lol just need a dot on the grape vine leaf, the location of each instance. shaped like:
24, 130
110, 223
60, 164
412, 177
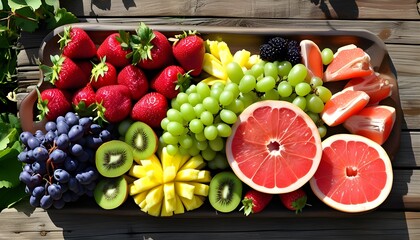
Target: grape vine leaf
61, 17
11, 196
10, 168
18, 4
54, 3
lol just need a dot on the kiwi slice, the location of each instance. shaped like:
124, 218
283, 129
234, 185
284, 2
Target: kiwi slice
113, 158
142, 139
110, 193
225, 192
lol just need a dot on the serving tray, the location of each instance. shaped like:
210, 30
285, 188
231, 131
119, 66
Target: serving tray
239, 38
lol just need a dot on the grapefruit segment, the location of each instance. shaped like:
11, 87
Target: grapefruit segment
377, 86
311, 58
373, 122
354, 175
349, 62
342, 105
274, 147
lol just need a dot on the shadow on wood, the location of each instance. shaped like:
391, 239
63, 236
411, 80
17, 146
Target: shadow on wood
338, 9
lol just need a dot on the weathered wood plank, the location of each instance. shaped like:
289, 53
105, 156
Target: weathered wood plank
303, 9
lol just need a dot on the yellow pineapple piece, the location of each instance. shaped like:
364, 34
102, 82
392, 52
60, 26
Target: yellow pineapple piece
169, 174
204, 176
213, 47
137, 171
195, 162
253, 59
212, 80
224, 53
213, 66
145, 183
167, 209
138, 198
200, 189
187, 175
184, 190
169, 190
179, 207
133, 190
191, 204
155, 210
154, 196
241, 57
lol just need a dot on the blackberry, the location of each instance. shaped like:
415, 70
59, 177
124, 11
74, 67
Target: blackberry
293, 52
268, 52
280, 44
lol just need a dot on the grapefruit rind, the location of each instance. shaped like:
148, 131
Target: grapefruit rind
311, 58
294, 162
325, 197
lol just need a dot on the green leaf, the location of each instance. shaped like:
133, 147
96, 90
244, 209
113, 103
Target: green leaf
10, 169
61, 17
28, 21
11, 196
18, 4
54, 3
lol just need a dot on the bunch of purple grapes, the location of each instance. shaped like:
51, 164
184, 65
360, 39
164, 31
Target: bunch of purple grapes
60, 162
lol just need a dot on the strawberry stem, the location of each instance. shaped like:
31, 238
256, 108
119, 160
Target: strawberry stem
140, 44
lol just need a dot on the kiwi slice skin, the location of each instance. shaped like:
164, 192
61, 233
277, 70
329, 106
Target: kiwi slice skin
114, 158
142, 138
225, 192
111, 193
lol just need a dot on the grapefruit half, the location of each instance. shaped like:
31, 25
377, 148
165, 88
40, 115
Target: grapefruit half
311, 58
373, 122
274, 147
349, 62
355, 174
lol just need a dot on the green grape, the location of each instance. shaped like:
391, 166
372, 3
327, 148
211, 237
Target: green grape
234, 88
220, 161
284, 68
218, 85
302, 89
215, 93
300, 102
194, 98
265, 84
247, 83
257, 70
175, 128
211, 104
202, 145
196, 126
248, 98
191, 89
237, 106
224, 129
284, 89
322, 131
208, 154
168, 138
181, 98
314, 116
226, 98
182, 150
297, 74
316, 81
175, 104
270, 69
212, 165
185, 141
323, 93
228, 116
187, 112
234, 72
217, 144
210, 132
217, 119
200, 136
164, 123
198, 109
206, 118
174, 115
171, 149
314, 103
193, 150
327, 56
273, 94
203, 89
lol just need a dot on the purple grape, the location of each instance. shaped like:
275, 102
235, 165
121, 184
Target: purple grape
34, 201
23, 157
64, 187
76, 132
91, 186
46, 202
40, 154
93, 142
84, 178
84, 157
60, 119
33, 142
67, 196
36, 180
85, 122
61, 175
50, 136
70, 164
76, 149
63, 141
95, 129
50, 126
28, 190
58, 156
54, 190
62, 127
71, 118
25, 177
73, 184
38, 191
27, 168
40, 135
24, 136
105, 135
39, 167
59, 204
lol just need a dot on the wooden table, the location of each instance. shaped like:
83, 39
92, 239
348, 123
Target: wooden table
397, 23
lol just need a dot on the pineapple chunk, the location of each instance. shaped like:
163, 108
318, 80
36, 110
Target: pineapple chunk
155, 210
184, 190
169, 190
154, 196
137, 171
204, 176
145, 183
195, 162
138, 198
253, 59
133, 190
213, 48
169, 200
212, 80
187, 175
224, 53
169, 174
167, 208
179, 207
213, 66
191, 204
200, 189
242, 57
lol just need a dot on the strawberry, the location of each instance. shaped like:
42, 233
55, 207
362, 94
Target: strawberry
150, 49
113, 103
170, 81
84, 100
86, 66
103, 74
255, 201
295, 200
64, 74
53, 102
134, 78
76, 43
150, 109
188, 49
115, 48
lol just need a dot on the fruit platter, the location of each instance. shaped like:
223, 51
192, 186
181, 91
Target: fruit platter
210, 120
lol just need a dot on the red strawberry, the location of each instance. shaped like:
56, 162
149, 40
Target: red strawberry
295, 200
103, 74
255, 201
84, 100
115, 48
151, 49
170, 81
64, 74
113, 103
76, 43
150, 109
188, 50
86, 66
53, 102
134, 78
